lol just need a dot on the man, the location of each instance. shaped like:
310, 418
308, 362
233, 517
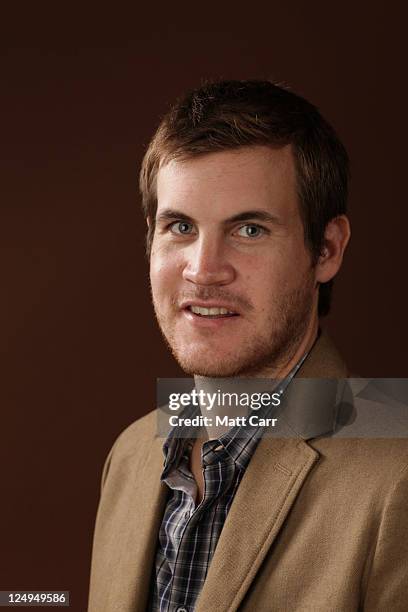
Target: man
244, 190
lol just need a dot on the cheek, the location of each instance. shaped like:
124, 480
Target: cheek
164, 271
266, 270
269, 279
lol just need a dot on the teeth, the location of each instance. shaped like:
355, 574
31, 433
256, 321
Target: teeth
209, 311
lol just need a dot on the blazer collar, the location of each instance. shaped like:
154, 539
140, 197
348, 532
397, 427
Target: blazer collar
323, 361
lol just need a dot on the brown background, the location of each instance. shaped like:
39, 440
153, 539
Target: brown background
81, 93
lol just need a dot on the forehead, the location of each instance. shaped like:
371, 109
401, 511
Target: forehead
225, 183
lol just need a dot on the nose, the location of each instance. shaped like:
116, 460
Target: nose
207, 263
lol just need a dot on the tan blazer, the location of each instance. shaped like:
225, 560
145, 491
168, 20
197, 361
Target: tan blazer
317, 525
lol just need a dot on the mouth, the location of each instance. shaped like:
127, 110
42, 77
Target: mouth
209, 311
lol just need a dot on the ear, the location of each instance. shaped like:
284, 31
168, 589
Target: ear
336, 237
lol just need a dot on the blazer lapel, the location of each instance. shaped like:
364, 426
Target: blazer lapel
136, 544
268, 490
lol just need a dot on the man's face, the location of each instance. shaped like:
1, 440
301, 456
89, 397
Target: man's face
232, 280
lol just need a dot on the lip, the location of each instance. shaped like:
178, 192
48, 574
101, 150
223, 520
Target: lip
208, 323
207, 304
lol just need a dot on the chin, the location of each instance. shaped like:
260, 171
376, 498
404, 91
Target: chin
209, 371
216, 368
226, 367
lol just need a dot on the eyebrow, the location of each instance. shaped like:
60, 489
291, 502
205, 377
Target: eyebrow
169, 214
259, 215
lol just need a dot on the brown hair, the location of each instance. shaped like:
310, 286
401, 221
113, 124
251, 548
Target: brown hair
231, 114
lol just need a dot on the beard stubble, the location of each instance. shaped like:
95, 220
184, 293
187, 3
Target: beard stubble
264, 354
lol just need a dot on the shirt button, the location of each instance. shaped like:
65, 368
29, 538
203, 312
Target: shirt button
181, 610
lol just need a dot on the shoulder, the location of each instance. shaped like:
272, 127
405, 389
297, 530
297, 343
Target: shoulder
132, 445
141, 431
381, 454
370, 468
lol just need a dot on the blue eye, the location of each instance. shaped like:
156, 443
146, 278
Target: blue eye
181, 228
251, 231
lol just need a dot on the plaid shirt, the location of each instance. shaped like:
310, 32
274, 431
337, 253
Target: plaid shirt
188, 534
